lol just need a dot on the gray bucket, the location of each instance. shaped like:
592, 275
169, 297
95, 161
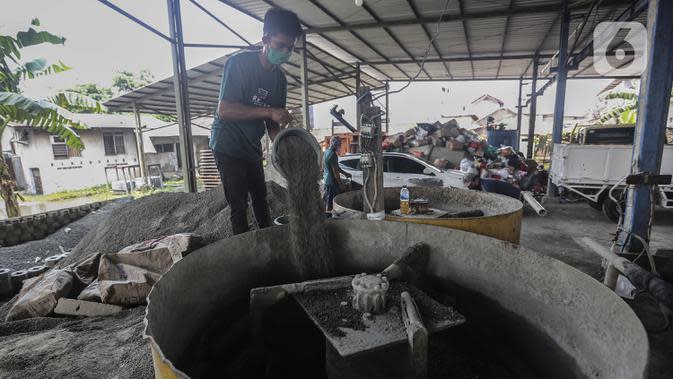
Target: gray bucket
297, 132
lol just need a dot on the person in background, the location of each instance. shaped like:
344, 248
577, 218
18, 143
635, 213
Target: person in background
252, 102
331, 173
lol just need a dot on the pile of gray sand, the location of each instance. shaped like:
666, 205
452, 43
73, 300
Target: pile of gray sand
26, 255
309, 237
98, 347
204, 213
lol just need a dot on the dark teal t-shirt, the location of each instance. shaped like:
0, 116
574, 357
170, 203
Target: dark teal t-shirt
246, 81
328, 158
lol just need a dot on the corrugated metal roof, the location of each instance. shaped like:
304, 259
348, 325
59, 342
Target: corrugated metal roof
391, 33
204, 85
495, 39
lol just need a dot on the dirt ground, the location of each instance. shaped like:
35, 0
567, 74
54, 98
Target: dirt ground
114, 347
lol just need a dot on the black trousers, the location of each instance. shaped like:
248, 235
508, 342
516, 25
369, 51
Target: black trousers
240, 178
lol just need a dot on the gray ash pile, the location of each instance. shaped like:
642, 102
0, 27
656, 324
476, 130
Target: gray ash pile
205, 213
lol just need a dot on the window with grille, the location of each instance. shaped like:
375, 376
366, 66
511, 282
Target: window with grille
114, 144
164, 147
61, 150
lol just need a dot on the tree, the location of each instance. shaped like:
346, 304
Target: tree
48, 114
625, 113
93, 91
126, 81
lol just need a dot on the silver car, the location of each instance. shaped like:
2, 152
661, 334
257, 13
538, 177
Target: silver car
401, 169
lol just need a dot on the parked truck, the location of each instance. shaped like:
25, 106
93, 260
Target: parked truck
590, 171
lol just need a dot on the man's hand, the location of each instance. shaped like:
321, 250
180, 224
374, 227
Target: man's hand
280, 116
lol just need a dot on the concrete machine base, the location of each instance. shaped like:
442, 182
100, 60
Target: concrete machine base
537, 316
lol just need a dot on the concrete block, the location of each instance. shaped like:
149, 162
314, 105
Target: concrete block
72, 307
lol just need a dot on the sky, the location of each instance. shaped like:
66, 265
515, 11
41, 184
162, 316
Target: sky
100, 41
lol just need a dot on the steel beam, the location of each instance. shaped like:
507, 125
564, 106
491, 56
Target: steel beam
633, 11
533, 110
394, 38
140, 145
417, 14
458, 59
209, 13
461, 9
650, 134
561, 76
502, 46
519, 111
358, 86
491, 13
135, 19
387, 103
306, 119
180, 84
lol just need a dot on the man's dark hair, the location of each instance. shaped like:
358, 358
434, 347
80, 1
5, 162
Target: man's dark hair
278, 20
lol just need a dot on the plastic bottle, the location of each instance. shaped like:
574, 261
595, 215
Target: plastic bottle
404, 200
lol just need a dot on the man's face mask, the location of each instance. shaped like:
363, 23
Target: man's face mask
277, 56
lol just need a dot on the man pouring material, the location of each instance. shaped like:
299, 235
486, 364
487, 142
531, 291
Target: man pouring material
252, 101
331, 173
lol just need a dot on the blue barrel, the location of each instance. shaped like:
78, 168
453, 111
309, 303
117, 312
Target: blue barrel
499, 138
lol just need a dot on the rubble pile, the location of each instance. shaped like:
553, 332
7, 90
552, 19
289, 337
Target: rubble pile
448, 146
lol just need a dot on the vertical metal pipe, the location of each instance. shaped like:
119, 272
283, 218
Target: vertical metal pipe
181, 95
358, 84
519, 110
306, 117
533, 110
561, 76
650, 134
140, 145
387, 114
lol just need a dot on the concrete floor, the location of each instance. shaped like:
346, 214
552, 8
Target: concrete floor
558, 235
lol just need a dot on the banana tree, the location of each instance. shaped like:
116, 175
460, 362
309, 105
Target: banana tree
50, 114
625, 113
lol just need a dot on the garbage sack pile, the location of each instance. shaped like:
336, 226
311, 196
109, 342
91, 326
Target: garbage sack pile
448, 146
123, 278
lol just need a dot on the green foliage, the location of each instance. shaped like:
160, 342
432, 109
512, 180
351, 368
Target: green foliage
126, 81
166, 117
99, 193
93, 91
76, 102
42, 114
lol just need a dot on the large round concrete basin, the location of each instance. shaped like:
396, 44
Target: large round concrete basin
501, 220
555, 319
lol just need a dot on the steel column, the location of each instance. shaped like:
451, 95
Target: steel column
562, 74
519, 111
181, 95
140, 146
387, 114
358, 85
648, 143
306, 117
533, 110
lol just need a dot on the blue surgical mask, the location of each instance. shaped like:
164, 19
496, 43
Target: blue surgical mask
277, 56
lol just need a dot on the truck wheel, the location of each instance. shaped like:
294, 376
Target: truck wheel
597, 205
610, 209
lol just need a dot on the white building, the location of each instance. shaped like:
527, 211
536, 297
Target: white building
162, 145
44, 164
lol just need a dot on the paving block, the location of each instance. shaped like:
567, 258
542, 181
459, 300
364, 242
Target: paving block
72, 307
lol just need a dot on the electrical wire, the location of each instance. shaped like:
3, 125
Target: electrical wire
427, 52
629, 234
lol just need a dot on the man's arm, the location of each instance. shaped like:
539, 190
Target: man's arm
234, 111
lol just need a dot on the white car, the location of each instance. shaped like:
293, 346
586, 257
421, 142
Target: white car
401, 169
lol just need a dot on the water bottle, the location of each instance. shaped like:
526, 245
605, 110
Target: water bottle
404, 200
